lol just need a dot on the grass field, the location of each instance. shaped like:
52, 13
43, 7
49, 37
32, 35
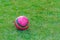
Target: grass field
44, 17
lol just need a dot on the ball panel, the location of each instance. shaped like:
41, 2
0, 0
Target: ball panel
20, 24
22, 20
19, 27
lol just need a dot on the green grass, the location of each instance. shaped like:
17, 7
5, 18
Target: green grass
44, 17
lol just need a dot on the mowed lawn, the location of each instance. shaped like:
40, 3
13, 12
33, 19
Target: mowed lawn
43, 15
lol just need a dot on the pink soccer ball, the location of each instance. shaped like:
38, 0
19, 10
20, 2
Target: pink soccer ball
22, 23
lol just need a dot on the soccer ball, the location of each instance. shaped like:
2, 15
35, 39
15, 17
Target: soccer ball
22, 23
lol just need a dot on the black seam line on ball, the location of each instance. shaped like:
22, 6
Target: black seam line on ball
19, 24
